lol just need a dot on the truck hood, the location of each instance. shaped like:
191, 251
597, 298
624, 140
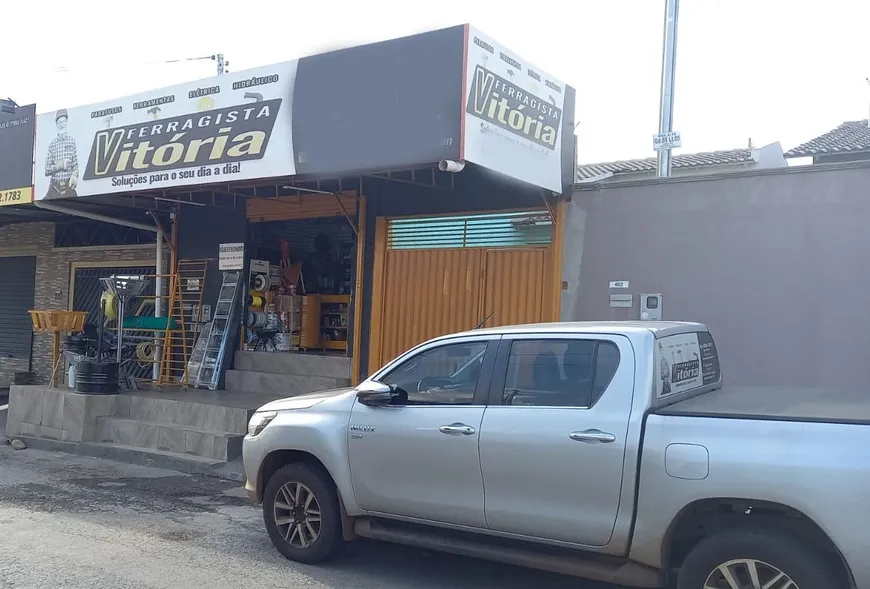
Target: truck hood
304, 401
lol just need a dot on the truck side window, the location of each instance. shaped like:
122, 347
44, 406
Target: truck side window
446, 375
559, 373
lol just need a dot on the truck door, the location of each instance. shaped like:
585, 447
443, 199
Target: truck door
419, 457
553, 438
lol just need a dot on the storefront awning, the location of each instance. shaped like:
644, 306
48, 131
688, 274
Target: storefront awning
452, 95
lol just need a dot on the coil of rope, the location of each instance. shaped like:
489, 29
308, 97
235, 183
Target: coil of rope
145, 352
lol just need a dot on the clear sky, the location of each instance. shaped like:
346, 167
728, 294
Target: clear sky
770, 70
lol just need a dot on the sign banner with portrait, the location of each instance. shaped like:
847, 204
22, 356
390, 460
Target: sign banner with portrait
222, 129
450, 94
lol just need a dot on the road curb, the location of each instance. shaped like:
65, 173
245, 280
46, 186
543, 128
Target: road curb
230, 471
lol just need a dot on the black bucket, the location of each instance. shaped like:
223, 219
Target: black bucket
97, 378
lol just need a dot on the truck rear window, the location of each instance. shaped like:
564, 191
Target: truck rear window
684, 362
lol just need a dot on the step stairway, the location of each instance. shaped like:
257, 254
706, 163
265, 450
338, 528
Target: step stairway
287, 374
207, 431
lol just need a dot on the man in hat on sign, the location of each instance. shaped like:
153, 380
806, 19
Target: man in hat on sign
62, 162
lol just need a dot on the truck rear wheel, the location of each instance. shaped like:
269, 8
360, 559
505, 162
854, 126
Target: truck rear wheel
755, 559
302, 514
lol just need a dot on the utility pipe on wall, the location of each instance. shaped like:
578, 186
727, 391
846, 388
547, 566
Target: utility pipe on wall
669, 66
50, 206
158, 306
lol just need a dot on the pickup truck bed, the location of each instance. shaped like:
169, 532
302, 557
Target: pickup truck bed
779, 404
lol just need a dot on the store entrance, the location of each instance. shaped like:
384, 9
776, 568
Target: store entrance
300, 284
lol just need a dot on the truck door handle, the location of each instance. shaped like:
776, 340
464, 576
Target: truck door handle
457, 428
592, 436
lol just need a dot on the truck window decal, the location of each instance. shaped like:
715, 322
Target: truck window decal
684, 362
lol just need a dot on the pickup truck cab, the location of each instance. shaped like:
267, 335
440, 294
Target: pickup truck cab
609, 451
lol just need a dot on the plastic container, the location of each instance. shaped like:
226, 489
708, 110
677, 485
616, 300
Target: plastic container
97, 378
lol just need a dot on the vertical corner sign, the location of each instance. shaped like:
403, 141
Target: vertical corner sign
513, 114
232, 127
16, 155
231, 256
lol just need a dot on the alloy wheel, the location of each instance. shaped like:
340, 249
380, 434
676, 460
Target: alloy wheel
747, 573
297, 515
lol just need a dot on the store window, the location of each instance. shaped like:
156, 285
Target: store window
301, 281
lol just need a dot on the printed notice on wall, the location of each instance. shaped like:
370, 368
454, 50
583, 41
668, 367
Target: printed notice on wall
231, 256
685, 362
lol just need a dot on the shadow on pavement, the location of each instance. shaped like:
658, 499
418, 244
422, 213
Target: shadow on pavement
389, 565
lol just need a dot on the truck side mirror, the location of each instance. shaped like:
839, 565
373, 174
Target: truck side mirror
374, 393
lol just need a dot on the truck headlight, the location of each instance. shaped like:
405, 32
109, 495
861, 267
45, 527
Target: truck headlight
259, 421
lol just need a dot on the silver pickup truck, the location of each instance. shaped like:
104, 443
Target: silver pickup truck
609, 451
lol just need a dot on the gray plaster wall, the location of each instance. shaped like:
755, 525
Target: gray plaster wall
776, 263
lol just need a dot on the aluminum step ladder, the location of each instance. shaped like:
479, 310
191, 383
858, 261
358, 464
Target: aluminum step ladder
209, 354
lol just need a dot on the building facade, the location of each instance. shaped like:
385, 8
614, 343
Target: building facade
772, 261
43, 275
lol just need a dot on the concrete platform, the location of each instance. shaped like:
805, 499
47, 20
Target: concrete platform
287, 374
326, 365
206, 425
203, 429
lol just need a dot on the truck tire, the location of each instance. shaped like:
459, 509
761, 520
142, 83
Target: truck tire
302, 514
770, 553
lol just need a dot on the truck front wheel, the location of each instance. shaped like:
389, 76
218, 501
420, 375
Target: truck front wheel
755, 559
302, 514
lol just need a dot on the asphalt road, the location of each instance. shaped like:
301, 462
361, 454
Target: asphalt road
81, 523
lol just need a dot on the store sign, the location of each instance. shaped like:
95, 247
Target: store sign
449, 94
233, 127
16, 155
685, 362
260, 266
513, 114
665, 141
231, 256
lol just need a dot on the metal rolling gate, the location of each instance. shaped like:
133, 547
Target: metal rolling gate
452, 273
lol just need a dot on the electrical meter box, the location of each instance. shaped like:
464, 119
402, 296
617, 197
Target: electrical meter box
651, 307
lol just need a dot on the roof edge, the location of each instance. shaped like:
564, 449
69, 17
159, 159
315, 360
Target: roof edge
724, 175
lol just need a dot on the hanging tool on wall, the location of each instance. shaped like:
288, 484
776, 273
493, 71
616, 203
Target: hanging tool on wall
291, 274
109, 303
